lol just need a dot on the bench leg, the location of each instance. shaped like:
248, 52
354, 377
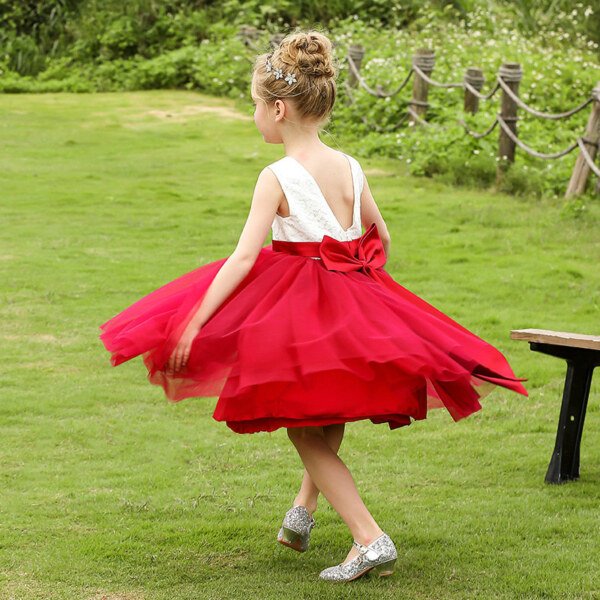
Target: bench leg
564, 464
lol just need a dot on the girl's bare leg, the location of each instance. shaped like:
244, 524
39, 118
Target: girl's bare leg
332, 477
309, 492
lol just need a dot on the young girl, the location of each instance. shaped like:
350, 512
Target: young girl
309, 332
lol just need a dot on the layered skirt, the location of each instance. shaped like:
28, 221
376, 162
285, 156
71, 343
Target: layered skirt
316, 333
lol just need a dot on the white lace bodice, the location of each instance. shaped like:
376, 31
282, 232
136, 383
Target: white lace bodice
310, 215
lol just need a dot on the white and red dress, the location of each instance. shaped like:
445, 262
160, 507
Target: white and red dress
316, 333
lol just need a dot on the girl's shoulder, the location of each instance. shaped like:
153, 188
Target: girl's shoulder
287, 160
288, 168
279, 163
285, 169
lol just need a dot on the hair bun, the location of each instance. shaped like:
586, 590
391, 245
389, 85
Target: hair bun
310, 52
309, 85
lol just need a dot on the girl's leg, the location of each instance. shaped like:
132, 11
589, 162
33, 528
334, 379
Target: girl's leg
309, 492
334, 480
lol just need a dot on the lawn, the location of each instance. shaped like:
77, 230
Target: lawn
110, 492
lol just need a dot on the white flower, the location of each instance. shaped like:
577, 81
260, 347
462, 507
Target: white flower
278, 73
290, 78
268, 66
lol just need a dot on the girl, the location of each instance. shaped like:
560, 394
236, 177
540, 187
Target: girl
309, 332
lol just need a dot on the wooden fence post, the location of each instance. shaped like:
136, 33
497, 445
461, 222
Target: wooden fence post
356, 53
475, 78
592, 133
424, 58
511, 74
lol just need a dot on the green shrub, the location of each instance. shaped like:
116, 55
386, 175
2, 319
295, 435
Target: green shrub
93, 45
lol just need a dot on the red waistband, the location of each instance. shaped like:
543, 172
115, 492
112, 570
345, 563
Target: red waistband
364, 252
298, 248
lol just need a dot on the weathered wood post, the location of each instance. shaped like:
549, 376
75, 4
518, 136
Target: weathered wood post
424, 58
356, 52
511, 74
592, 134
474, 77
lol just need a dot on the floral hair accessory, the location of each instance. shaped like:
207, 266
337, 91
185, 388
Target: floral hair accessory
289, 77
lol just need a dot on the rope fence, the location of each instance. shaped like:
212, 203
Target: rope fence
506, 83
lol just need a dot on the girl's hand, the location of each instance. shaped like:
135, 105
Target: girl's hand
181, 353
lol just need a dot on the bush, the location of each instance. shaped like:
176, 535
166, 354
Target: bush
143, 44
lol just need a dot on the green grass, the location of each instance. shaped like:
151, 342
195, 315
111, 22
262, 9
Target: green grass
109, 491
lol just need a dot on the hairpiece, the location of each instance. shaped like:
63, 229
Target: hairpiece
289, 77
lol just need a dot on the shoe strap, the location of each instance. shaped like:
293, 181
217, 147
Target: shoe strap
366, 551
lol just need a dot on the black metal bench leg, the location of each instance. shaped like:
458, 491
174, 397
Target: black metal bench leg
564, 464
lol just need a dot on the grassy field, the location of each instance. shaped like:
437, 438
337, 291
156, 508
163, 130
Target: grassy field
110, 492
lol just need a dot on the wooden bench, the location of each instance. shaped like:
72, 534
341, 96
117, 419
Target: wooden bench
582, 353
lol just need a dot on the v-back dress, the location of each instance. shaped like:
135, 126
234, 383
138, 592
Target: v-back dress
316, 333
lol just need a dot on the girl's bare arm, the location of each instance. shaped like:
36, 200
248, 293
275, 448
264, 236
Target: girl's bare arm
369, 213
265, 201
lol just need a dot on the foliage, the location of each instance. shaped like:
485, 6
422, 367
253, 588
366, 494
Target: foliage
558, 17
33, 31
559, 72
93, 45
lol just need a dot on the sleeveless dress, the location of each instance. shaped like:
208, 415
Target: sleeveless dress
316, 333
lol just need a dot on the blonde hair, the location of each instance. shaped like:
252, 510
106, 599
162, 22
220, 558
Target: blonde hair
307, 54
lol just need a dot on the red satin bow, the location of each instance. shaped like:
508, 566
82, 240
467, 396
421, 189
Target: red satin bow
364, 252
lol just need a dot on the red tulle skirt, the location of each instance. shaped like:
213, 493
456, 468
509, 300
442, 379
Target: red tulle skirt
304, 341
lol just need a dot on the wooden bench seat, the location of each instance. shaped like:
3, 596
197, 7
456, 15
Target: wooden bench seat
582, 353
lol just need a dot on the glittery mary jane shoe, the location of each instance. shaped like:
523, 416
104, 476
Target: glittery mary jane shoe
296, 528
379, 557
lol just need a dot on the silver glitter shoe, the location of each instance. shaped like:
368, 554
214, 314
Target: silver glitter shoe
296, 528
379, 556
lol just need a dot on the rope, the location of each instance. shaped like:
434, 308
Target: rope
417, 118
530, 150
436, 83
501, 83
538, 113
374, 126
587, 157
479, 95
379, 93
474, 133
